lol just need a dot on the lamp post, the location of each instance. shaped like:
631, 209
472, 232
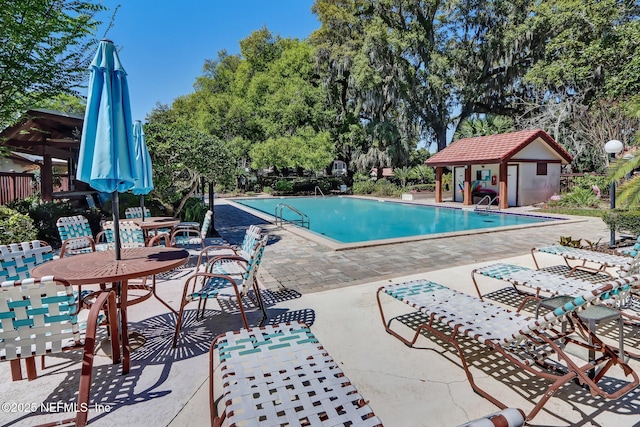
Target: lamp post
613, 147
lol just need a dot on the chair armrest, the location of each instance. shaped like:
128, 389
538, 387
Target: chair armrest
184, 233
155, 241
72, 240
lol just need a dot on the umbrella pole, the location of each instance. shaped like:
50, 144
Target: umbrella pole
142, 205
115, 205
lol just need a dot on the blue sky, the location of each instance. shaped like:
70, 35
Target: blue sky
163, 43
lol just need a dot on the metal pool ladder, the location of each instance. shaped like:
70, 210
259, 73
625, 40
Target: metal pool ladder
302, 222
315, 190
480, 206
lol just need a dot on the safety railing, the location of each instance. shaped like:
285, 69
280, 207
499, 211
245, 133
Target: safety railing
303, 221
481, 206
318, 189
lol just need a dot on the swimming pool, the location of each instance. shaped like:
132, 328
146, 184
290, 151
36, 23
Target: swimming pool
350, 220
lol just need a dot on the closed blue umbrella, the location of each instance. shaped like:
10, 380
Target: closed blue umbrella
144, 183
107, 156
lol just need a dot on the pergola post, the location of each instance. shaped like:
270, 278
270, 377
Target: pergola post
439, 184
46, 178
467, 186
504, 202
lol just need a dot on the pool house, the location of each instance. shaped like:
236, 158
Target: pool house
510, 169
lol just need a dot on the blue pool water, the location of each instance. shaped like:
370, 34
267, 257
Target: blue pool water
349, 220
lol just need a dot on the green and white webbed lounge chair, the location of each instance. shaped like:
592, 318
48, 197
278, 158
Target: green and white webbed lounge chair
598, 262
539, 284
535, 345
280, 375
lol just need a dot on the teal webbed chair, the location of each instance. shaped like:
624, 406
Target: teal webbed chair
189, 236
216, 282
76, 236
251, 237
17, 259
39, 317
280, 375
136, 212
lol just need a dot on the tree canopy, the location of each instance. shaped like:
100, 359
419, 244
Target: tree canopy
45, 48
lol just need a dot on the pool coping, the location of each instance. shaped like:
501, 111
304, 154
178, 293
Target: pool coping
337, 246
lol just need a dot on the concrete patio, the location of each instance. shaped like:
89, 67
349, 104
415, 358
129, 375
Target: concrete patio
333, 292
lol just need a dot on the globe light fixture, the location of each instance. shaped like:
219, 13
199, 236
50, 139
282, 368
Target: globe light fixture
613, 147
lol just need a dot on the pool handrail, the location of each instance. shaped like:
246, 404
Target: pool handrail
315, 190
302, 222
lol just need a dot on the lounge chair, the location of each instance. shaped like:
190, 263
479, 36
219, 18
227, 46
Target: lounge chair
510, 417
533, 344
281, 375
542, 283
602, 260
217, 282
39, 317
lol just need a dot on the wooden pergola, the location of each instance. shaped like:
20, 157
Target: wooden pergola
48, 134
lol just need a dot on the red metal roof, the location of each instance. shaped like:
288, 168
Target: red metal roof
493, 149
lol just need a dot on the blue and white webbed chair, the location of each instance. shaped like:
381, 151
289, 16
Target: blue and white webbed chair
136, 212
39, 317
251, 237
76, 236
216, 282
188, 236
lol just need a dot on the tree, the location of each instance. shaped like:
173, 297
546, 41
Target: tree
182, 155
421, 62
484, 125
65, 103
403, 174
628, 193
268, 104
45, 49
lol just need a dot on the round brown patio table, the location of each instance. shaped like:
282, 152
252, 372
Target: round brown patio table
102, 267
156, 222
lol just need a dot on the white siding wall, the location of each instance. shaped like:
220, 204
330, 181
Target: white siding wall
538, 188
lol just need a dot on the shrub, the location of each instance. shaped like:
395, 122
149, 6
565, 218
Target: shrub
422, 187
363, 187
284, 185
45, 214
579, 197
587, 182
385, 188
193, 210
623, 221
267, 190
16, 227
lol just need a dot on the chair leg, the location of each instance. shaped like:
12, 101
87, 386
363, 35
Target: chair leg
87, 359
178, 324
30, 363
16, 370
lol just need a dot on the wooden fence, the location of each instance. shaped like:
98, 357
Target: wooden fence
19, 185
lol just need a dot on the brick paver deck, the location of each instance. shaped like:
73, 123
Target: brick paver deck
305, 266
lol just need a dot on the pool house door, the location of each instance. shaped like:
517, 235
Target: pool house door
458, 184
512, 185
